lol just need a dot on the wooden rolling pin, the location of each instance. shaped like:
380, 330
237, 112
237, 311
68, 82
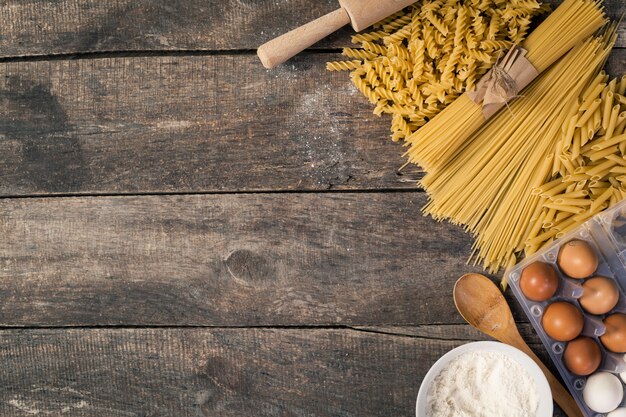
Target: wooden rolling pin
361, 14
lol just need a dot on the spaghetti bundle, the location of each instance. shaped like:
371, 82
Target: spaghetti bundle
420, 60
449, 132
487, 187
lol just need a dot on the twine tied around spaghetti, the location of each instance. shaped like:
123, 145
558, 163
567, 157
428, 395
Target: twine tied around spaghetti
504, 81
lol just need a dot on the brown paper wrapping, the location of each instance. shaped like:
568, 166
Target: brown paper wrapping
504, 81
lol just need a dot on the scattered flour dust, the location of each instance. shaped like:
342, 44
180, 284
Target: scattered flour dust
483, 384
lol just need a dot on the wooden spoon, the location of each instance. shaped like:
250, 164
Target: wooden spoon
483, 306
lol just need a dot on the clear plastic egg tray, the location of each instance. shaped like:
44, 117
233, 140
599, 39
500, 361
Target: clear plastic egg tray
606, 233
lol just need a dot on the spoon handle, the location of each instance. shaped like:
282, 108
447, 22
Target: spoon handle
559, 393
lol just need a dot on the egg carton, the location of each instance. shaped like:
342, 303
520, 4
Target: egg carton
606, 233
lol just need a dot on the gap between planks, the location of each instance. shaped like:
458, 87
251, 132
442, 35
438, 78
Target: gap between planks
411, 332
159, 54
396, 332
212, 193
149, 54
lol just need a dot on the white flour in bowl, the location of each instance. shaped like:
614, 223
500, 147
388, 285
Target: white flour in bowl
483, 384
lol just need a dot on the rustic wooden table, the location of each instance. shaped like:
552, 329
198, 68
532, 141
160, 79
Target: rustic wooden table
184, 233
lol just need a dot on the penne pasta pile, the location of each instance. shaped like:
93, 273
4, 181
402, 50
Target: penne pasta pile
589, 167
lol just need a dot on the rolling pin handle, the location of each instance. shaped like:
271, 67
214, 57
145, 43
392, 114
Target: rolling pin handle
279, 50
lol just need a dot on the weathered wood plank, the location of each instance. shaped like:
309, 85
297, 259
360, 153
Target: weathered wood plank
163, 124
192, 124
75, 26
214, 372
241, 260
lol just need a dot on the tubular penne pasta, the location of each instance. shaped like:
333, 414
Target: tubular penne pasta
602, 198
573, 194
564, 207
595, 123
619, 169
569, 134
612, 121
548, 221
602, 153
547, 186
588, 114
573, 178
590, 213
577, 143
608, 142
598, 184
591, 98
618, 159
606, 110
566, 227
542, 237
538, 224
572, 201
614, 182
567, 163
555, 190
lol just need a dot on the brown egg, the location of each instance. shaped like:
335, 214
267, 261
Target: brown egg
539, 281
562, 321
600, 295
582, 356
577, 259
615, 337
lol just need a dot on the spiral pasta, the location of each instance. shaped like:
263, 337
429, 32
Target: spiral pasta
343, 65
417, 61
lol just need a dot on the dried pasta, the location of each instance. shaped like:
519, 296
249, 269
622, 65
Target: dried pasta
438, 141
601, 163
523, 178
501, 187
418, 61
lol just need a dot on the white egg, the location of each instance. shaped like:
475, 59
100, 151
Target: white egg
623, 376
620, 412
603, 392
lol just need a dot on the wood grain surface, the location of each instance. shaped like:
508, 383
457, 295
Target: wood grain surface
288, 270
237, 260
79, 26
217, 372
188, 124
192, 124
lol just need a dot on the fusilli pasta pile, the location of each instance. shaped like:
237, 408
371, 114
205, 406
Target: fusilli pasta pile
416, 62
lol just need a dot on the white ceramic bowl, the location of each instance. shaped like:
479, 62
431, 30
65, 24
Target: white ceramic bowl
544, 408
